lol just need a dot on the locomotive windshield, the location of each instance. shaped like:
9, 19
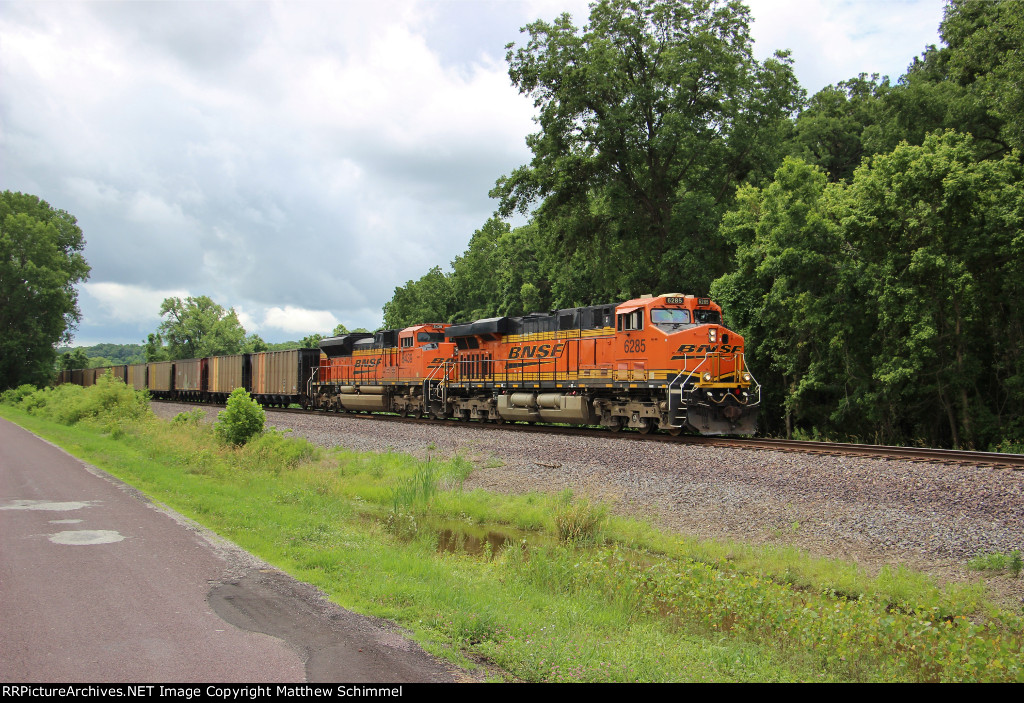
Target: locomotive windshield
670, 319
707, 317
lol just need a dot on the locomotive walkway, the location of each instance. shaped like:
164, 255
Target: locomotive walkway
97, 584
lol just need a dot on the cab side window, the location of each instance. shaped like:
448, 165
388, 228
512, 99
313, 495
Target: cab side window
631, 321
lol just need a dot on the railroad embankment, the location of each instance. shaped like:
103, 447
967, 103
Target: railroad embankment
553, 585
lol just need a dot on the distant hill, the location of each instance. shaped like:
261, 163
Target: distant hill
110, 354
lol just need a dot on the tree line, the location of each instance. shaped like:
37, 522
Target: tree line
198, 327
194, 327
41, 261
867, 240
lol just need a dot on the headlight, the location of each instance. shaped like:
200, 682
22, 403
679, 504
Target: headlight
712, 335
707, 377
746, 378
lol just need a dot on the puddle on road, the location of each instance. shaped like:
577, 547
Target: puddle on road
46, 505
86, 537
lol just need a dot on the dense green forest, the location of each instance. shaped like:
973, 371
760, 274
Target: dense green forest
867, 241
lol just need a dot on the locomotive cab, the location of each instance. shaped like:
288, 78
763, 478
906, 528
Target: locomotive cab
680, 341
423, 351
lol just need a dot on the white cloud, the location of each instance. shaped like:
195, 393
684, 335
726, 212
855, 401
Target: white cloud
247, 321
295, 156
834, 40
148, 209
299, 321
130, 304
92, 193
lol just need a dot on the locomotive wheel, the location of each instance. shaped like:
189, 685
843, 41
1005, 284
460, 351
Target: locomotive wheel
675, 431
648, 426
616, 425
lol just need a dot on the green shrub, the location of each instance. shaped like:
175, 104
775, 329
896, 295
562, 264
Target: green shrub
191, 418
108, 404
242, 420
16, 395
997, 561
1009, 445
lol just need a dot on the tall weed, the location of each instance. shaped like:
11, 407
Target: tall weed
273, 450
579, 521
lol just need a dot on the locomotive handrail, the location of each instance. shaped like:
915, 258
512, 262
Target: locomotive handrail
433, 371
679, 379
674, 407
441, 383
479, 367
314, 375
696, 369
490, 364
752, 377
523, 365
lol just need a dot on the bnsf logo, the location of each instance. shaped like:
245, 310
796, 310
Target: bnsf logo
687, 349
536, 351
367, 362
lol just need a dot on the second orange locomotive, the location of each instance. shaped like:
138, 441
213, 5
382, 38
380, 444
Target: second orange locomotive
658, 362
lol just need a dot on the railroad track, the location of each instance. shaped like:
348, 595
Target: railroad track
1013, 462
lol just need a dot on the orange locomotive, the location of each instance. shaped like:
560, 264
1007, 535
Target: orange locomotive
657, 362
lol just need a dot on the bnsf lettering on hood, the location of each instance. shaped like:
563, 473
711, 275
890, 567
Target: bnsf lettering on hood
689, 349
536, 351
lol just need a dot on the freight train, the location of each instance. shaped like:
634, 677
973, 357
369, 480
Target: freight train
661, 362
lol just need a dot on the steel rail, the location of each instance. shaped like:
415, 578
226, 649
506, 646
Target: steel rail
917, 454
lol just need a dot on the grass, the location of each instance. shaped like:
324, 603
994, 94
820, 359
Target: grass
580, 595
998, 562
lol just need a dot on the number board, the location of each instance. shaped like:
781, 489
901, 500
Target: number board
703, 301
675, 301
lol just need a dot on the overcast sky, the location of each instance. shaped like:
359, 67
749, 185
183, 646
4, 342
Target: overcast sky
298, 160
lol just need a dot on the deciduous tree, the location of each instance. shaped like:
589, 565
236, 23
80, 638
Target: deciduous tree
429, 299
198, 327
40, 263
657, 109
888, 309
830, 130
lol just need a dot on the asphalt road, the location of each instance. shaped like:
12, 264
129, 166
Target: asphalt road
98, 584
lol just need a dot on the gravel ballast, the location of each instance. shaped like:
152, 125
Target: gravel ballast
932, 517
